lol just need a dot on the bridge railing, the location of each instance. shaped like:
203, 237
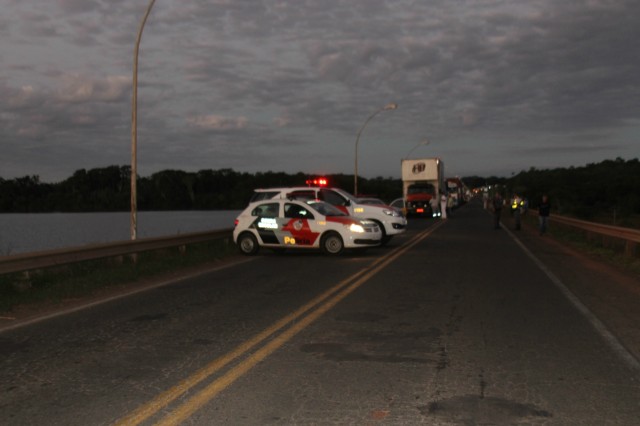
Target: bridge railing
608, 235
59, 257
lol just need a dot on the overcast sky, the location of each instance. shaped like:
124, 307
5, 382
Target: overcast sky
496, 86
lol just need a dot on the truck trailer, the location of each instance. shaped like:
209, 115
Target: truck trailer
457, 191
422, 181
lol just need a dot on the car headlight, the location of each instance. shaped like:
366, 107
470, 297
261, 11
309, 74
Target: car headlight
355, 227
391, 213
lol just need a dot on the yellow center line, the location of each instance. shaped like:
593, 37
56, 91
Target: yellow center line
165, 398
187, 409
193, 404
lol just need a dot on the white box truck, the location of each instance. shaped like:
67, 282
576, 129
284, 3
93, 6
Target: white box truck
422, 180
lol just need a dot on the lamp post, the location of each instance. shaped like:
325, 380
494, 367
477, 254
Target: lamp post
424, 142
387, 107
134, 128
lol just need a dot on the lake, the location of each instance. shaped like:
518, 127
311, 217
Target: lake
24, 233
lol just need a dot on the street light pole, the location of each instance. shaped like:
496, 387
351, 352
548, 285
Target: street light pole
387, 107
134, 128
424, 142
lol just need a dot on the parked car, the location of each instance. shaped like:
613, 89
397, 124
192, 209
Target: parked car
390, 221
379, 202
398, 204
370, 200
283, 223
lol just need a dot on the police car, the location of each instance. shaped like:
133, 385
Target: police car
284, 223
390, 220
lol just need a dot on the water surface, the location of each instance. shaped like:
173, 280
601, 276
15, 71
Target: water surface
22, 233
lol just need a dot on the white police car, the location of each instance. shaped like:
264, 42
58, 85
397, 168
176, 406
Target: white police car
283, 223
390, 220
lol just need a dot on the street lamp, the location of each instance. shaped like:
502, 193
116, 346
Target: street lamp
134, 128
389, 106
424, 142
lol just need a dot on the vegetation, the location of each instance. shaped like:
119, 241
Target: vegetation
608, 191
108, 189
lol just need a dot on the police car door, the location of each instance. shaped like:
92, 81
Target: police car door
299, 226
266, 223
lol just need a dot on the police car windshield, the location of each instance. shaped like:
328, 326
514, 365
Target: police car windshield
346, 195
325, 209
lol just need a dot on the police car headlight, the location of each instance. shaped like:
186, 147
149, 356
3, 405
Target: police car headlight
355, 227
393, 213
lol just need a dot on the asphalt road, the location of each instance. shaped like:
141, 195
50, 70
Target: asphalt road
454, 323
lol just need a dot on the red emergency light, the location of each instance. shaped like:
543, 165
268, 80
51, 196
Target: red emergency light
317, 182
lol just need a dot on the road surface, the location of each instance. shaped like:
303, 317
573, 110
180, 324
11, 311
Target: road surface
454, 323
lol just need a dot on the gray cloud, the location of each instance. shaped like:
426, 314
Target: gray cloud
497, 86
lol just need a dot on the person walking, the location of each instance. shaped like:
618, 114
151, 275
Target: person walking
434, 203
543, 214
443, 205
516, 209
497, 209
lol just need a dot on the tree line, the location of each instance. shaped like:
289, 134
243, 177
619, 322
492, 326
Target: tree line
108, 189
607, 192
610, 188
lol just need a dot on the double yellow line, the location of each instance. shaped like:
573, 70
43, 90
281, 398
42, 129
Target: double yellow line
303, 316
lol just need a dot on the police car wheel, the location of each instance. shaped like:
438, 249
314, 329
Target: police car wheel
385, 238
248, 244
332, 244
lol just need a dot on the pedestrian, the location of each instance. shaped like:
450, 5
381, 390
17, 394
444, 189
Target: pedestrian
434, 204
443, 205
516, 209
543, 214
497, 209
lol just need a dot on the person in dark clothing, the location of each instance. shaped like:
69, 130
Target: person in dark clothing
543, 214
497, 209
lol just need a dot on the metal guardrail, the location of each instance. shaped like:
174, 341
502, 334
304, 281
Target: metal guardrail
51, 258
630, 237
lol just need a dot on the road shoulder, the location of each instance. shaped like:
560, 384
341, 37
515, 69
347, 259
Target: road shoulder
33, 312
610, 293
